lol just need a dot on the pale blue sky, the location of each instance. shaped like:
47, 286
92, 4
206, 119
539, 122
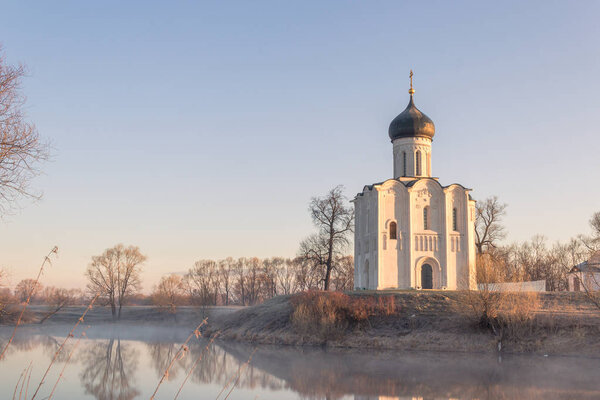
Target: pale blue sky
201, 130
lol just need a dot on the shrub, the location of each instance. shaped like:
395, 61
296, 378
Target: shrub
508, 315
327, 315
516, 317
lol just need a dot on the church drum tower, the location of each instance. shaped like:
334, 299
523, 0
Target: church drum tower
412, 232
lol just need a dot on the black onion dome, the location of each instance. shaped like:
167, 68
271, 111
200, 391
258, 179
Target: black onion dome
411, 123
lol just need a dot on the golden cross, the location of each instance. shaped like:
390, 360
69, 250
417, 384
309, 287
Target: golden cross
411, 90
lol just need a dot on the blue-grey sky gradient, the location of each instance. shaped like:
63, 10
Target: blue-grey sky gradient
201, 129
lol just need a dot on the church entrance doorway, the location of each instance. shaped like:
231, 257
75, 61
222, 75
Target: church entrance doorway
426, 277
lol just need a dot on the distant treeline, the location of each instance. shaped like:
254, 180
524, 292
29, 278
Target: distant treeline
247, 281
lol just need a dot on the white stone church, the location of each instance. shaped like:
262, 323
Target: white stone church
412, 232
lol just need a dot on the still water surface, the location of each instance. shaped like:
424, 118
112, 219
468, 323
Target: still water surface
122, 363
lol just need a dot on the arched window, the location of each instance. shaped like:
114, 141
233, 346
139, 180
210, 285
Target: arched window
393, 230
454, 220
404, 163
418, 163
426, 218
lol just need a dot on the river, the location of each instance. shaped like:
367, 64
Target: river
127, 362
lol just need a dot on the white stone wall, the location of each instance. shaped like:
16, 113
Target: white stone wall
382, 262
591, 281
410, 146
397, 263
365, 240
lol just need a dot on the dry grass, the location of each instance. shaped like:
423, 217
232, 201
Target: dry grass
509, 316
549, 323
47, 260
328, 315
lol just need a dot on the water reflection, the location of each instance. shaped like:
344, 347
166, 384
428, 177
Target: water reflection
128, 364
216, 366
390, 375
108, 370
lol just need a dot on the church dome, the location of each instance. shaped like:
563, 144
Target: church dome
411, 123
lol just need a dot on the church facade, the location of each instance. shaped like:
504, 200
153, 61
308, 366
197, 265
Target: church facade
411, 231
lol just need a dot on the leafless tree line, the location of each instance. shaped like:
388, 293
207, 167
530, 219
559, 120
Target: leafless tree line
532, 260
247, 281
536, 260
321, 264
52, 298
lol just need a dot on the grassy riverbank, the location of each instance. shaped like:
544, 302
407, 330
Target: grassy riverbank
185, 317
553, 323
556, 323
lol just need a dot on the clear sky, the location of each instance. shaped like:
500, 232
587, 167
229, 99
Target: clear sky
201, 129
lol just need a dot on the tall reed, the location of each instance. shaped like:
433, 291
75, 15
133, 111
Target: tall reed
212, 339
23, 382
22, 376
70, 335
67, 361
28, 380
37, 279
239, 374
179, 355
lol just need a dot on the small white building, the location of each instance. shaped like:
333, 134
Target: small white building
585, 275
411, 231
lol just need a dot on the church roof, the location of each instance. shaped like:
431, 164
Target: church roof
411, 183
591, 265
411, 123
585, 267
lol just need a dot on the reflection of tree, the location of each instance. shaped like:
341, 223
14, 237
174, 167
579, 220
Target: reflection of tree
216, 365
317, 374
29, 342
107, 369
162, 354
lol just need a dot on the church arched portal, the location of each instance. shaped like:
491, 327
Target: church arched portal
426, 277
428, 274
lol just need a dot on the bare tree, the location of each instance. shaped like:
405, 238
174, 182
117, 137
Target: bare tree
27, 286
592, 242
115, 275
6, 297
202, 283
306, 271
21, 148
589, 280
253, 280
56, 299
269, 281
169, 293
488, 227
334, 220
239, 282
595, 224
226, 267
343, 273
285, 275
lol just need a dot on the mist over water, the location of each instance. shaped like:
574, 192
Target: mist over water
126, 362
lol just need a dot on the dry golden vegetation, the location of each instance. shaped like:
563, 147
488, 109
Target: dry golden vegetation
328, 315
552, 323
